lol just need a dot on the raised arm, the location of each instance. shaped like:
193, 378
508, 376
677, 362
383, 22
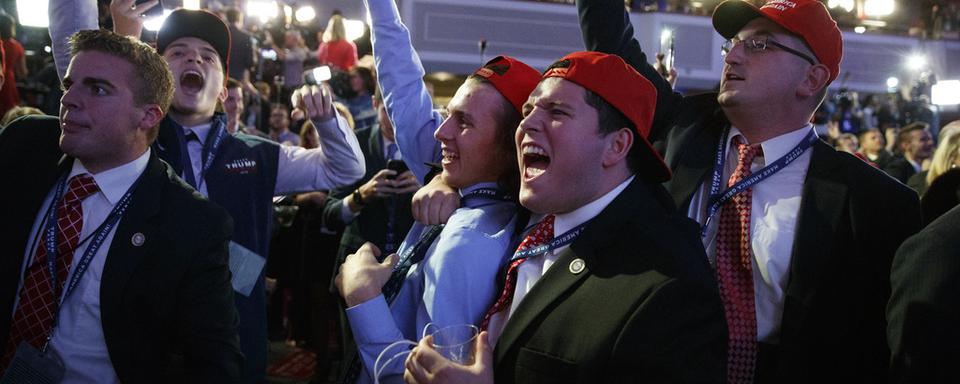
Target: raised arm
337, 162
405, 96
605, 26
66, 18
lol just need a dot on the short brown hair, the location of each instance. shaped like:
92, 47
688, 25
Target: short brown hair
152, 79
508, 119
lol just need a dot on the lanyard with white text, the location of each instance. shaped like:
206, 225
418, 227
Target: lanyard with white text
717, 199
557, 242
488, 194
98, 237
210, 148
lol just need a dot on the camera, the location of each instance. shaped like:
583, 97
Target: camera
316, 75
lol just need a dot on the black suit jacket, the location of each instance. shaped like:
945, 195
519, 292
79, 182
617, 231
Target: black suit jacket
166, 307
924, 309
645, 309
852, 218
371, 224
901, 169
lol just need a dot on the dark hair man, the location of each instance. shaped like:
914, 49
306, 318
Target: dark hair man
610, 284
242, 173
915, 145
111, 265
802, 251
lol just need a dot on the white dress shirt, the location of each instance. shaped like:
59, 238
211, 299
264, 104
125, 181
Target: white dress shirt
78, 338
533, 269
773, 223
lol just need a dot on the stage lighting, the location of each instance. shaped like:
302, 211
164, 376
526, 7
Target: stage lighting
893, 82
917, 62
354, 28
945, 92
305, 14
846, 5
878, 8
191, 4
263, 10
860, 29
154, 23
33, 13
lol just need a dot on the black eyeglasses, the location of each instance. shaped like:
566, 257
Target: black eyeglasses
759, 44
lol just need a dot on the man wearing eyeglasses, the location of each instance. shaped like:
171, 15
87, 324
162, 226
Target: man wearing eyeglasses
797, 233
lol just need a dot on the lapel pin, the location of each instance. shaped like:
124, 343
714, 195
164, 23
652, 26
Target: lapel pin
577, 266
138, 239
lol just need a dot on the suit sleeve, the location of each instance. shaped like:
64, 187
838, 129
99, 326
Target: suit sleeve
924, 308
605, 26
207, 317
677, 335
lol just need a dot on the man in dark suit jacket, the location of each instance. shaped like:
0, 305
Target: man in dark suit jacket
833, 285
155, 304
631, 297
924, 308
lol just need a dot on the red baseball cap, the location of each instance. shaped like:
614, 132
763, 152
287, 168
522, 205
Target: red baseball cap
808, 19
512, 78
617, 83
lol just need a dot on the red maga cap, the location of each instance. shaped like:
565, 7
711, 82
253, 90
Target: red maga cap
625, 89
512, 78
808, 19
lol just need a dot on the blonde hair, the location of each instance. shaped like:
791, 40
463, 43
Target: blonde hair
18, 111
945, 157
335, 29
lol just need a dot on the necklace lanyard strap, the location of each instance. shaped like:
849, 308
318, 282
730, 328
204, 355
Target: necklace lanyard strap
565, 239
717, 199
98, 236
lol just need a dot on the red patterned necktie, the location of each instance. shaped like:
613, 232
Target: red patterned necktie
734, 272
33, 318
539, 235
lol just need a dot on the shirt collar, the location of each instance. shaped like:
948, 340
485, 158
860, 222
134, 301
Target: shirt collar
567, 221
201, 130
777, 147
116, 181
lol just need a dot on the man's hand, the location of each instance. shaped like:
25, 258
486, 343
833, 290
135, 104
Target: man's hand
890, 135
314, 199
405, 183
671, 76
361, 276
425, 365
127, 19
313, 102
435, 202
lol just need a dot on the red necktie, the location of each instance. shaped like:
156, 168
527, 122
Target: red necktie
539, 235
33, 318
734, 272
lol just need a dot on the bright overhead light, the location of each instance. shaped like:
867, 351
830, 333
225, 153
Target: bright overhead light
154, 23
354, 28
191, 4
878, 8
860, 29
288, 12
917, 62
263, 10
893, 82
33, 13
846, 5
305, 14
945, 92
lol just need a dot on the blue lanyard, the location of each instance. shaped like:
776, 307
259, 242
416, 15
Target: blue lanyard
717, 199
557, 242
420, 247
210, 148
487, 194
98, 237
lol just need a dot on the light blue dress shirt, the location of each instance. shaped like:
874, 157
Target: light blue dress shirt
456, 281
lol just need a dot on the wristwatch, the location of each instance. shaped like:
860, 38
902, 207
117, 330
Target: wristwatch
357, 197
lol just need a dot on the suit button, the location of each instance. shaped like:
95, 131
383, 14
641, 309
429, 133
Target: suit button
577, 266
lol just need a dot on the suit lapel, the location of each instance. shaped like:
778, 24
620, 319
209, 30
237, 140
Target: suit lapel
821, 210
125, 254
694, 162
633, 205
